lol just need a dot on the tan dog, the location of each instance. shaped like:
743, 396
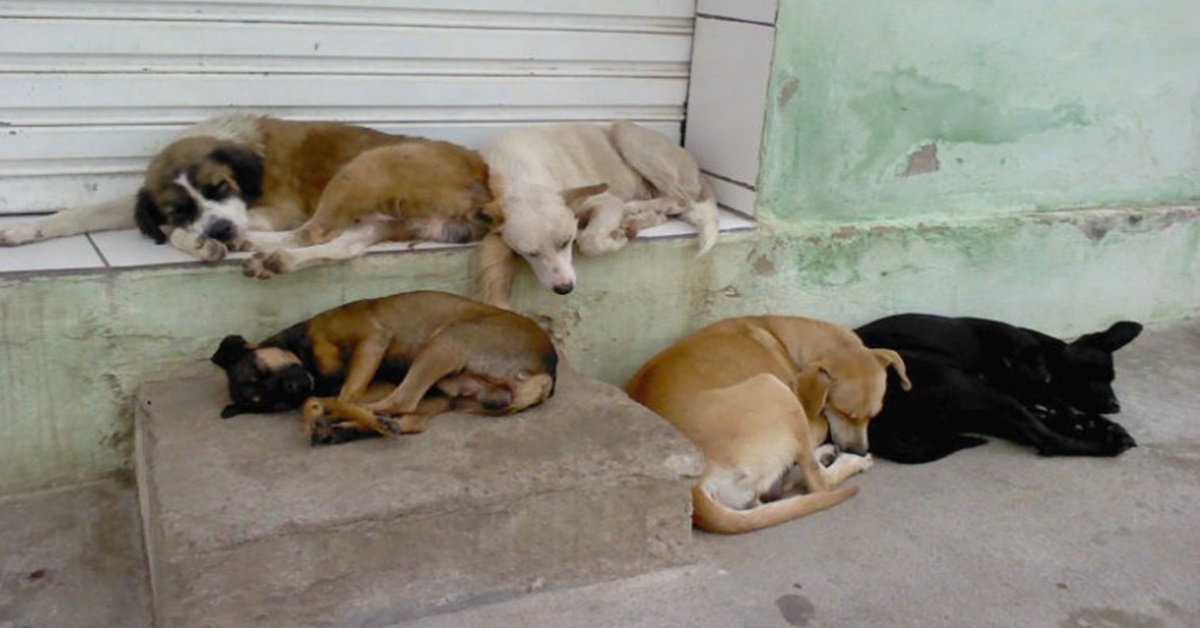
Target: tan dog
419, 190
759, 395
432, 351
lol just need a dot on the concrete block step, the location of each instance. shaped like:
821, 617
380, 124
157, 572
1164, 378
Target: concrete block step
246, 524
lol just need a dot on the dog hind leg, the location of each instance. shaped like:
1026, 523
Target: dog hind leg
442, 355
674, 173
604, 231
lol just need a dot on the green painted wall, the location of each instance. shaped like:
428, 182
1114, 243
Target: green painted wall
893, 109
994, 110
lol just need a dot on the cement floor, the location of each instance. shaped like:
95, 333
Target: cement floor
993, 536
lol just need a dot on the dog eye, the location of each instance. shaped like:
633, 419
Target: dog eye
533, 254
216, 191
564, 245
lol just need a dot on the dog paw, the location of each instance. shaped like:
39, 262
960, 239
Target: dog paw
264, 265
826, 454
18, 234
210, 250
867, 461
593, 245
409, 424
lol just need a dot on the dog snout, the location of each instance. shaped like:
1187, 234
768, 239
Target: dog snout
221, 230
564, 288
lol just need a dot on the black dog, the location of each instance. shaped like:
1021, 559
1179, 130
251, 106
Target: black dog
979, 376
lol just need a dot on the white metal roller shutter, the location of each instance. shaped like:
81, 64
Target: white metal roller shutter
92, 88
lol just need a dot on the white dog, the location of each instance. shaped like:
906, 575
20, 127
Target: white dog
598, 185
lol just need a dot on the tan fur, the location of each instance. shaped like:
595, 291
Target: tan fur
480, 358
418, 190
756, 395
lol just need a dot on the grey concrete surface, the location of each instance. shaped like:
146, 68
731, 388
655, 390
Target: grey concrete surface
73, 557
993, 536
249, 525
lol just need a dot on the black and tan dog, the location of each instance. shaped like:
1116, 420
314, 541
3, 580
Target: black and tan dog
233, 180
759, 395
433, 352
977, 376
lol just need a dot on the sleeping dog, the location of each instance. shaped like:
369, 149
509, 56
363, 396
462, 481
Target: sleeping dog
426, 352
558, 185
979, 376
759, 395
225, 181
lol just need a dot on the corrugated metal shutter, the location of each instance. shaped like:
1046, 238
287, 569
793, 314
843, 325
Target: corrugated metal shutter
92, 88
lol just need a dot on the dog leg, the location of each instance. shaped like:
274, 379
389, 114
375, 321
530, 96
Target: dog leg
441, 356
498, 267
197, 244
604, 231
844, 466
69, 222
417, 421
350, 244
324, 416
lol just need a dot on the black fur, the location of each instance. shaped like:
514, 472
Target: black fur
255, 390
149, 217
979, 376
248, 169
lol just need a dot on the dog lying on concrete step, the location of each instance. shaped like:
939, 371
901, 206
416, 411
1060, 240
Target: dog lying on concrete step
978, 376
426, 352
759, 396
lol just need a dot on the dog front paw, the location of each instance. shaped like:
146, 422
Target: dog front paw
264, 265
16, 235
593, 245
826, 454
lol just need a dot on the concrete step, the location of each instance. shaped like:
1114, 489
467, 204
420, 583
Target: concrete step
247, 524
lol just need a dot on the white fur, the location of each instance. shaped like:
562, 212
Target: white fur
232, 208
536, 168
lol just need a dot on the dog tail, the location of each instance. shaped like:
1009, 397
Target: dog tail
713, 516
704, 217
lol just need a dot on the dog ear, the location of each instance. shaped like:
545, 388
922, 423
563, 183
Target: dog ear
231, 350
247, 167
1113, 338
812, 387
575, 195
491, 213
149, 217
887, 358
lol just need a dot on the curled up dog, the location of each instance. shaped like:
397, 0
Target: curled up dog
759, 396
591, 185
979, 376
386, 366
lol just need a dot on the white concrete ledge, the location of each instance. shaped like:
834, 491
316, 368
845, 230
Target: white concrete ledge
111, 250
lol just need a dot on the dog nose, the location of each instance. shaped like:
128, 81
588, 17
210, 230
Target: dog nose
563, 288
221, 230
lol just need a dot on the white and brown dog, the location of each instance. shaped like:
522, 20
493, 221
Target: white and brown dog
234, 180
596, 185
